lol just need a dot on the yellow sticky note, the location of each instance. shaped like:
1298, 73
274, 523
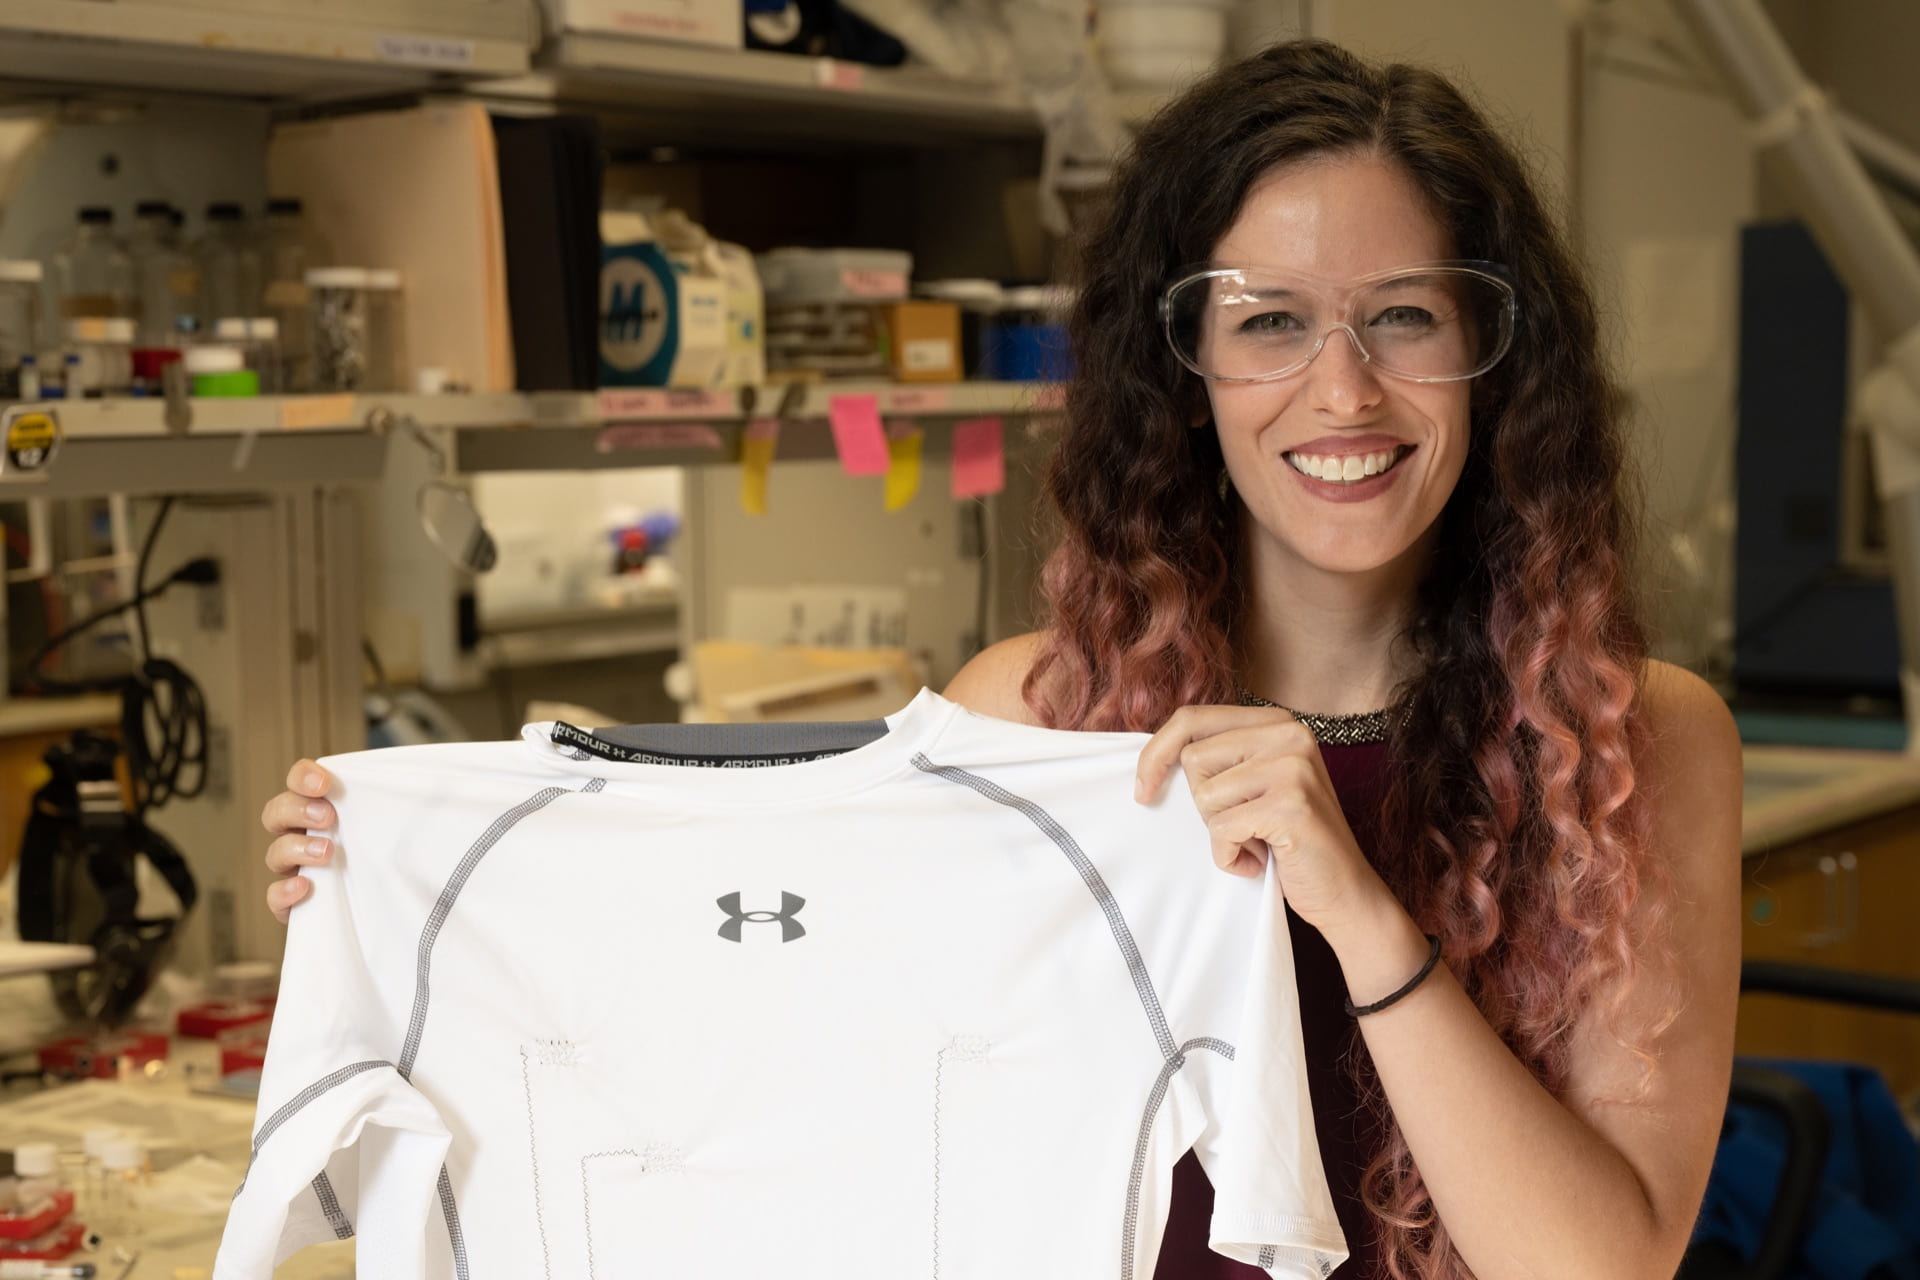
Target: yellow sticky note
903, 467
757, 445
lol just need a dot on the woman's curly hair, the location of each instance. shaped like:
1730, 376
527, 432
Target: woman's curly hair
1512, 826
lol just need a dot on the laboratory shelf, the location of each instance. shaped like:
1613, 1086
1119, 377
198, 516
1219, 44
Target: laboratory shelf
21, 717
751, 90
582, 633
278, 51
152, 445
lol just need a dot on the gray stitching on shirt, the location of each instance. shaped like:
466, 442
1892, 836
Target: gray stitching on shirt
293, 1105
1142, 981
1174, 1057
1131, 1228
452, 1215
1268, 1255
417, 1023
330, 1205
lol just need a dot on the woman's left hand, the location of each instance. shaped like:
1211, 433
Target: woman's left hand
1258, 779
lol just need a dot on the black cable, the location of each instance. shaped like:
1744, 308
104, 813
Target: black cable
163, 715
178, 708
372, 656
163, 721
140, 575
49, 683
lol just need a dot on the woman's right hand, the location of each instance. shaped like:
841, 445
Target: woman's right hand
287, 817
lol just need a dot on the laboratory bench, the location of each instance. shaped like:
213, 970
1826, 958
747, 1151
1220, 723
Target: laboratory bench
1830, 875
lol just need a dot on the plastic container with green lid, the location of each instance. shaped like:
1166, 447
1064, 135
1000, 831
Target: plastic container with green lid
220, 371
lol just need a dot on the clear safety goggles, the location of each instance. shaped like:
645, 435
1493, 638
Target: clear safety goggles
1431, 322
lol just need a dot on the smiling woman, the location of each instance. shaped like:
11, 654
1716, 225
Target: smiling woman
1365, 458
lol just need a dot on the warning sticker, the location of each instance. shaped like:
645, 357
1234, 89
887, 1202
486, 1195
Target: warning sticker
32, 435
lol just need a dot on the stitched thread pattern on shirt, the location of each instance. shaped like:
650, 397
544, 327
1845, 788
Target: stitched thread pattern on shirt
1175, 1056
1131, 1228
422, 993
654, 1157
452, 1214
556, 1053
293, 1105
1142, 982
330, 1205
962, 1049
533, 1158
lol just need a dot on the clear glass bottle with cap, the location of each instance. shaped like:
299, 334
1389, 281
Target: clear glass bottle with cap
339, 300
20, 328
73, 1175
229, 261
93, 276
124, 1177
288, 249
93, 1144
166, 281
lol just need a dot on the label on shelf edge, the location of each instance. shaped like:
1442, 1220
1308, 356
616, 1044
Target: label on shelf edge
424, 51
641, 436
831, 73
626, 404
918, 399
300, 413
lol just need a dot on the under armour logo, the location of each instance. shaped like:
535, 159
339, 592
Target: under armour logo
790, 904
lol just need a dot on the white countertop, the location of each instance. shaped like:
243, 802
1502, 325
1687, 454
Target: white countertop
1795, 792
198, 1144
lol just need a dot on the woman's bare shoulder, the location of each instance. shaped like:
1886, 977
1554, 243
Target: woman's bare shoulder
1695, 768
1688, 716
991, 681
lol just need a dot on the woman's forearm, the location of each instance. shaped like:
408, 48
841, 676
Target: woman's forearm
1527, 1189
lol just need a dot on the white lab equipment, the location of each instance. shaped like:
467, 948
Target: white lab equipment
1795, 125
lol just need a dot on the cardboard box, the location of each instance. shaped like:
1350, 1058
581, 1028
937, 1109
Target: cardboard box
924, 341
721, 23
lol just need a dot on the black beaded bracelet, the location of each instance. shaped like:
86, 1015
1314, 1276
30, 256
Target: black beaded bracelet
1433, 958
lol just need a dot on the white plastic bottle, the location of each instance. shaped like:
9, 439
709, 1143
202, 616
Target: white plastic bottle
37, 1165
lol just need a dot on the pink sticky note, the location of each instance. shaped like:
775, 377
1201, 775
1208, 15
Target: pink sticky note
979, 458
858, 437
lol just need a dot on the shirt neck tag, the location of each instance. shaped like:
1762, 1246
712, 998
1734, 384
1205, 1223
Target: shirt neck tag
582, 743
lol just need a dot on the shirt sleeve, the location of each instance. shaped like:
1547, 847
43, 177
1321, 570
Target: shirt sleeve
1272, 1208
343, 1145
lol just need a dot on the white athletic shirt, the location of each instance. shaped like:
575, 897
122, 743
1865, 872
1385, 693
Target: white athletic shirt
948, 1004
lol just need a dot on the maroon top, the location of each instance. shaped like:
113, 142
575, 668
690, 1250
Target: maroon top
1347, 1138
